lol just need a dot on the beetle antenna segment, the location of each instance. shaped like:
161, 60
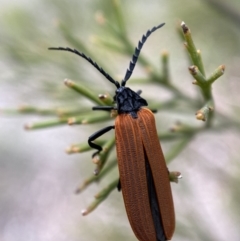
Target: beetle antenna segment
137, 52
90, 61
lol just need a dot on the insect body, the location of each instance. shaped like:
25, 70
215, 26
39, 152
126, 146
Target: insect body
144, 178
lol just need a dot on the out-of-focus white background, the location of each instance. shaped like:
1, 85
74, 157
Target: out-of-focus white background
37, 177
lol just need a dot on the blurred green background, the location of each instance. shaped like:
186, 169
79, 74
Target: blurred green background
38, 179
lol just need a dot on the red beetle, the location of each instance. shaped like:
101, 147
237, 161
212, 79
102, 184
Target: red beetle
144, 177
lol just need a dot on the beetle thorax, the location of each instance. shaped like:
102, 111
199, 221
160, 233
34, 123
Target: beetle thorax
129, 101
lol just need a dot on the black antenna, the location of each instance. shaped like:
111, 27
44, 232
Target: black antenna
90, 61
137, 52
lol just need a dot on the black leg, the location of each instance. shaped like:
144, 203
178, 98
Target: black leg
153, 110
95, 136
119, 187
106, 108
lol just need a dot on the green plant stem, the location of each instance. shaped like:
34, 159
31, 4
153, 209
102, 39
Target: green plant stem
196, 73
102, 157
83, 91
119, 16
88, 119
107, 99
177, 149
216, 74
27, 109
165, 67
194, 53
45, 124
101, 196
97, 178
83, 147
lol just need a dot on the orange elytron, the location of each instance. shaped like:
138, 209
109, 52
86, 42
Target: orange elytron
144, 178
139, 154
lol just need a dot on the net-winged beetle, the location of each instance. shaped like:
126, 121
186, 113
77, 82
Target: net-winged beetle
144, 178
